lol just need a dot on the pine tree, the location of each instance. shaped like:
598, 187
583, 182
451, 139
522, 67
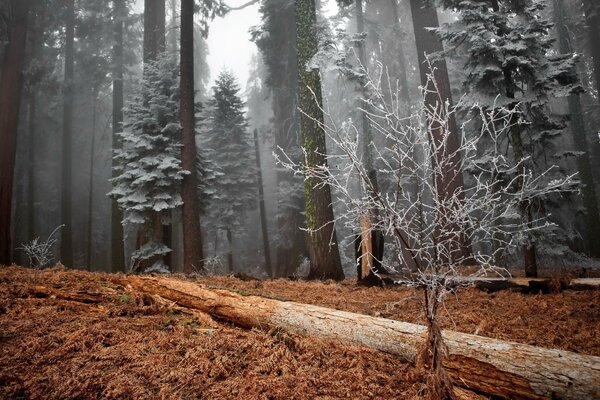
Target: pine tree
230, 148
149, 177
507, 46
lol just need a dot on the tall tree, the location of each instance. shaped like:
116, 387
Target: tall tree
438, 94
192, 239
590, 200
226, 136
10, 101
117, 245
66, 249
276, 39
325, 260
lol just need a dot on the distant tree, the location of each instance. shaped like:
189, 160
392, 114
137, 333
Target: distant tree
192, 237
149, 170
507, 45
10, 100
325, 260
117, 245
590, 200
230, 148
66, 244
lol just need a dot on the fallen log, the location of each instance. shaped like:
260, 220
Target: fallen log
43, 291
490, 366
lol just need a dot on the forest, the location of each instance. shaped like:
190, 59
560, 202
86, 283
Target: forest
363, 199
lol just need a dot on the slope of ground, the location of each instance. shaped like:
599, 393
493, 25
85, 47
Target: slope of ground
106, 341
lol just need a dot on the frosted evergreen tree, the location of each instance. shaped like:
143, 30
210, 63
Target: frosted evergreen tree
228, 144
149, 172
511, 65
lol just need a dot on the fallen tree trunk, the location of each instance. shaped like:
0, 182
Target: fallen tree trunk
490, 366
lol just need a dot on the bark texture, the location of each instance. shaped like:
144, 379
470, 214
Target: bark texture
192, 240
495, 367
10, 102
325, 260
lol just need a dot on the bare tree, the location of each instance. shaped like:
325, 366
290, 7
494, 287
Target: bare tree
425, 225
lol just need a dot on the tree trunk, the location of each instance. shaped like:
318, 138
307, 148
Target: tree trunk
325, 260
192, 240
154, 29
117, 244
66, 249
90, 247
154, 45
491, 366
229, 250
10, 102
590, 201
261, 205
401, 55
592, 18
449, 179
31, 166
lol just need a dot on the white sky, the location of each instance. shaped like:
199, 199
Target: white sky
229, 42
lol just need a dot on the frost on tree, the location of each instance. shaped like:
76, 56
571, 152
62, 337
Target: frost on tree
228, 145
149, 172
511, 66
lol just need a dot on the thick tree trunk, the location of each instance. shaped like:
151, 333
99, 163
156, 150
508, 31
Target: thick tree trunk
449, 179
117, 244
494, 367
590, 200
192, 240
66, 248
325, 260
261, 205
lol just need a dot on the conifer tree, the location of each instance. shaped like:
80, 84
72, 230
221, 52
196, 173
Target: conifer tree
509, 65
229, 144
149, 168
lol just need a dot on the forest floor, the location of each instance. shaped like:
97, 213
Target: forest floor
97, 339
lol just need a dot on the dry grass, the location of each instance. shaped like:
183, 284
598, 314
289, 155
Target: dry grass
135, 346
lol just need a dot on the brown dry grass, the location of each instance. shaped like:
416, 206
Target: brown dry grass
135, 346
